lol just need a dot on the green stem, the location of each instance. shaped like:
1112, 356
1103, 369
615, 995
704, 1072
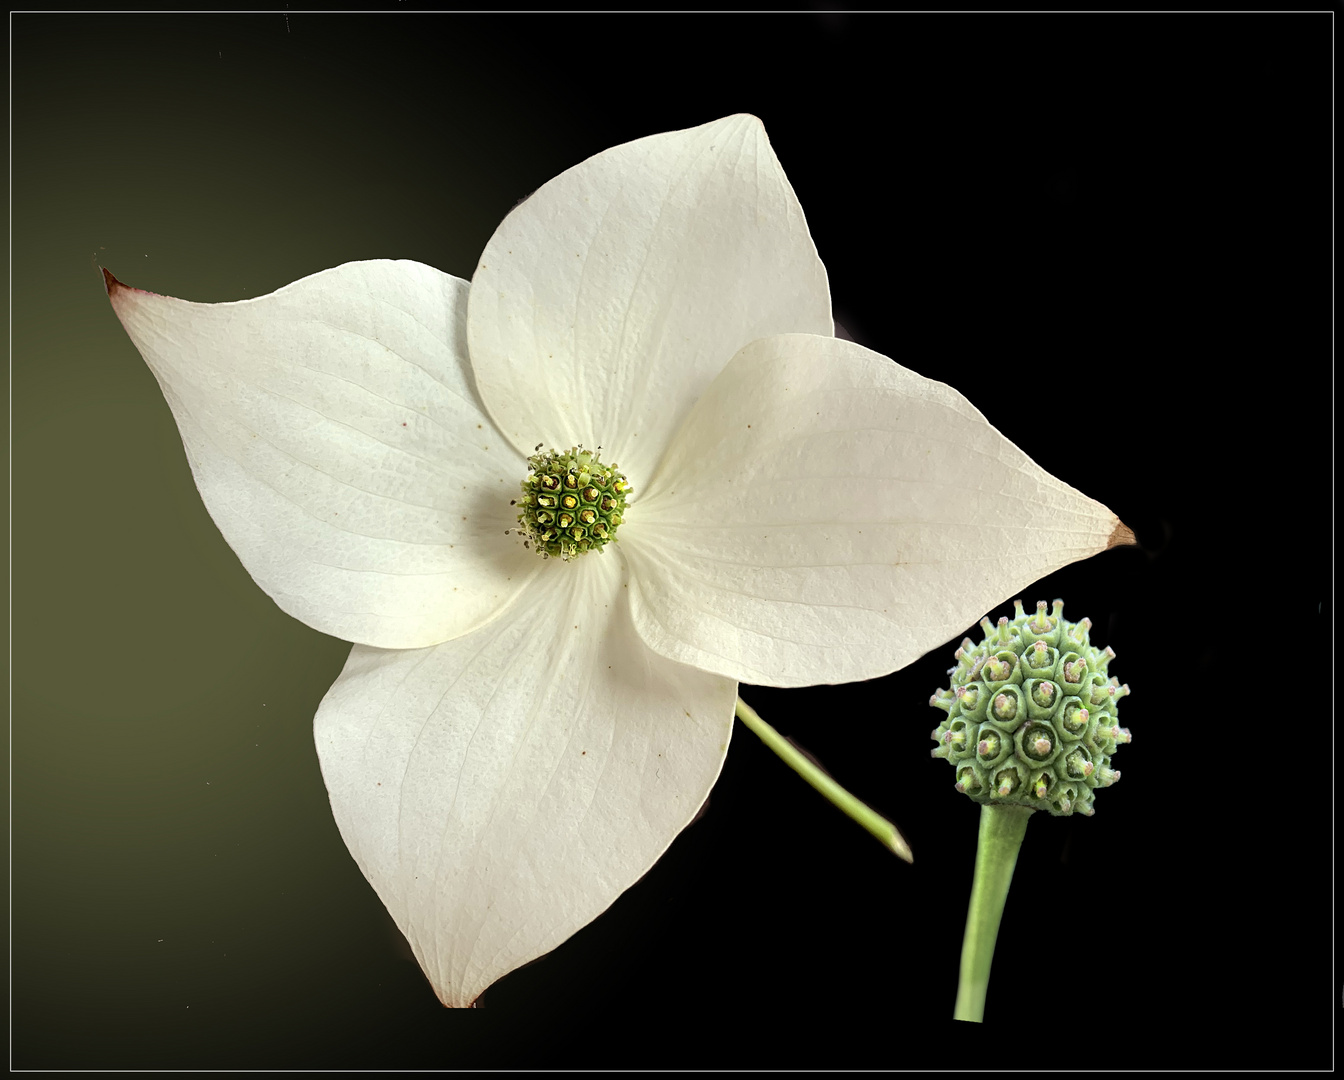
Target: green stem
1001, 830
869, 818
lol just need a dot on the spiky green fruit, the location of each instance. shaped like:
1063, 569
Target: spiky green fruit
1032, 714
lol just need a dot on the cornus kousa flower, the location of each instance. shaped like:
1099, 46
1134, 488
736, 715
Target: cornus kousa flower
562, 509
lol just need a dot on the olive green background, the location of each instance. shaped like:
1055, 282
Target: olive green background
1111, 233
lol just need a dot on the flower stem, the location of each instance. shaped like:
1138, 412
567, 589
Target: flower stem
1001, 832
869, 818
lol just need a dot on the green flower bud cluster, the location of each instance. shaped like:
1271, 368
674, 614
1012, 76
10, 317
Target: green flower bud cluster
571, 502
1031, 714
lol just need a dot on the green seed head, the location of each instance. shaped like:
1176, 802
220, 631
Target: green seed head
572, 503
1031, 713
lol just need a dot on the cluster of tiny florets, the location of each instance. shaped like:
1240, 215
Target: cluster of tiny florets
1031, 714
571, 502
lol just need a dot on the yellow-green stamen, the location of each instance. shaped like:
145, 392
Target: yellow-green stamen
572, 502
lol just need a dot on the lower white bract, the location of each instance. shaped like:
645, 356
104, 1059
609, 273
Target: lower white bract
515, 740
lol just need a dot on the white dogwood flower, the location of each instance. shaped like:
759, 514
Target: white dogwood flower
516, 739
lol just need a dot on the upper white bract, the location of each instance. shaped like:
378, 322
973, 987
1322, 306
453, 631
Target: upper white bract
514, 741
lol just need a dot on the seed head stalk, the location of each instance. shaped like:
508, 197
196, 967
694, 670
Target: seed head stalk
1031, 725
1002, 826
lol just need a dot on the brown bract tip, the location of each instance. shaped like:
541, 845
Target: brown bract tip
1121, 536
109, 281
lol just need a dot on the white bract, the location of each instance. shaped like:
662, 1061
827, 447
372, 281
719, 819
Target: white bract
515, 740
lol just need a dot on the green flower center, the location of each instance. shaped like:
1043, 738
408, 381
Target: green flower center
571, 503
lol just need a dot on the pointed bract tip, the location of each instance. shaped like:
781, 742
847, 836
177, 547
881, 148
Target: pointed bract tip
110, 282
1121, 536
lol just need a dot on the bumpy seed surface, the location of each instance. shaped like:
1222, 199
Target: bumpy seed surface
1032, 713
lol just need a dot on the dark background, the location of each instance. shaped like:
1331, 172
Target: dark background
1141, 203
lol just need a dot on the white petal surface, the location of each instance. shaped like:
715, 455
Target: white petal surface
605, 304
501, 790
339, 445
827, 515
